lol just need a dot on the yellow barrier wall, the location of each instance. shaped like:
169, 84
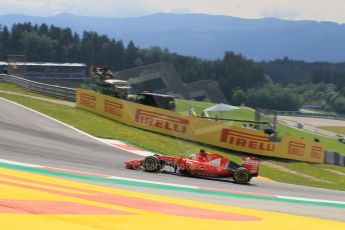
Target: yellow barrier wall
211, 132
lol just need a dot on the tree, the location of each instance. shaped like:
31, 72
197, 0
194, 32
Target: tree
119, 56
4, 42
87, 48
240, 97
43, 29
132, 54
275, 97
339, 104
38, 47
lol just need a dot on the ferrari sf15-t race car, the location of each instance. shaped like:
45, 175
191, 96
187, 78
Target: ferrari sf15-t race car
203, 165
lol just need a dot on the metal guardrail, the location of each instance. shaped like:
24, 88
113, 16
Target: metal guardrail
50, 90
314, 115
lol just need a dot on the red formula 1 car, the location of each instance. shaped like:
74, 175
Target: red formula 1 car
204, 165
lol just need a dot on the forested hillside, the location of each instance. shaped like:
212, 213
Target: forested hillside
209, 36
287, 71
320, 84
43, 43
241, 80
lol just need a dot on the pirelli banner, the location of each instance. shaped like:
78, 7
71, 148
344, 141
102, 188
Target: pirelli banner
217, 133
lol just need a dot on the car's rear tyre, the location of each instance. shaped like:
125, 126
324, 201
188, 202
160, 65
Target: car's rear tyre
184, 172
151, 164
241, 175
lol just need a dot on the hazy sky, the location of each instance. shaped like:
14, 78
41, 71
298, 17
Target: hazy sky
322, 10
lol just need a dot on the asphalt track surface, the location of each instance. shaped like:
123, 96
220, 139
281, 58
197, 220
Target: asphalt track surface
29, 137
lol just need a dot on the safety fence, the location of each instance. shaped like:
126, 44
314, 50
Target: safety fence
216, 133
50, 90
304, 114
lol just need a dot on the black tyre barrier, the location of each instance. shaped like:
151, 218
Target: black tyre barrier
334, 158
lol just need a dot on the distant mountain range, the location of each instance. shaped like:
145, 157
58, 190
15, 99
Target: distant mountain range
209, 36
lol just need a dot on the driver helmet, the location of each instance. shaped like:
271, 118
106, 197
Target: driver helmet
192, 156
202, 152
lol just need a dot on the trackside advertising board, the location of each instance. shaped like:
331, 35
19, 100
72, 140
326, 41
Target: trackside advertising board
216, 133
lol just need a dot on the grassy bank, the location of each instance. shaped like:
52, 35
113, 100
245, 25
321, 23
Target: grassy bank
17, 89
318, 175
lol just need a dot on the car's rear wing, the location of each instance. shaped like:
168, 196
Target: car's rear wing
251, 164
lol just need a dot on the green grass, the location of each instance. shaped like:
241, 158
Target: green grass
106, 128
243, 113
183, 106
335, 129
319, 171
17, 89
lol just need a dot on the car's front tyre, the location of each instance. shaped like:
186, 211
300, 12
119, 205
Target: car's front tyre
151, 164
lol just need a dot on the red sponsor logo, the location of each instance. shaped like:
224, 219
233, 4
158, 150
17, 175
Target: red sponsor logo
88, 100
161, 121
246, 140
316, 152
113, 108
296, 148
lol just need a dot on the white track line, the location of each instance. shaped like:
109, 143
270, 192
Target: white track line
154, 182
21, 164
310, 199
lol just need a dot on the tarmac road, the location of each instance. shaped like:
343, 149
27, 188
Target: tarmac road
29, 137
